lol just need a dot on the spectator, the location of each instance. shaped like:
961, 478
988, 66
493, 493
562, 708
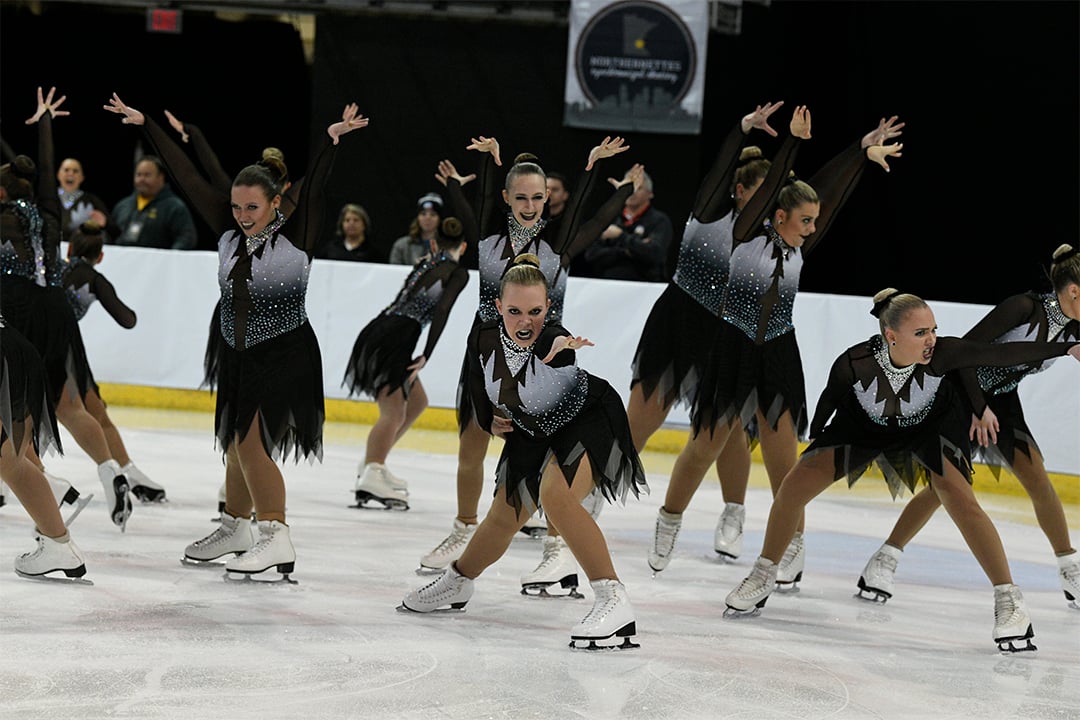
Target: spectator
153, 215
423, 232
350, 241
558, 195
635, 248
76, 205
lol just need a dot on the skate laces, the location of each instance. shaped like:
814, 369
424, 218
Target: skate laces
757, 581
36, 552
606, 602
666, 533
266, 538
793, 550
1007, 609
883, 562
441, 587
731, 525
456, 538
551, 555
222, 534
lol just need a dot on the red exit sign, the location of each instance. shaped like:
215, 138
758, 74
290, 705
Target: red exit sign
164, 20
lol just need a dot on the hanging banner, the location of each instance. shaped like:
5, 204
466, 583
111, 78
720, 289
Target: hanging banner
636, 65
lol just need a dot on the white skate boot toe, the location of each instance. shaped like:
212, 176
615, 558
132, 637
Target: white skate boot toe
53, 555
557, 569
376, 484
877, 579
274, 549
728, 539
448, 550
610, 624
446, 593
749, 597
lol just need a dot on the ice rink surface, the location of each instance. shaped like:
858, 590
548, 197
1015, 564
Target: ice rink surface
154, 639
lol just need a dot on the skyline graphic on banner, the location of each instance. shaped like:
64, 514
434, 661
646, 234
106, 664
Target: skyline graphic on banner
636, 65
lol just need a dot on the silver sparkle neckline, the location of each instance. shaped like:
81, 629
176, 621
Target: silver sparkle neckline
516, 355
520, 236
256, 241
1055, 318
896, 376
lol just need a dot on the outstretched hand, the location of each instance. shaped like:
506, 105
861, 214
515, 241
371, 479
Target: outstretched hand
501, 426
984, 430
885, 130
177, 125
608, 147
414, 369
760, 118
448, 171
131, 115
566, 342
45, 104
488, 145
635, 175
800, 122
881, 153
351, 119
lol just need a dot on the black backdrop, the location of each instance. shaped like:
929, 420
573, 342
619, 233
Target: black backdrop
986, 189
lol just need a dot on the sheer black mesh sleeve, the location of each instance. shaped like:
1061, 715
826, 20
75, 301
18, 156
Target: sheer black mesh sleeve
106, 295
454, 285
211, 165
757, 210
212, 204
834, 184
714, 199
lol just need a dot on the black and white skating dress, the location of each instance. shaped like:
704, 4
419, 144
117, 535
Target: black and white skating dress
498, 248
559, 411
671, 354
1028, 317
262, 351
384, 349
907, 420
24, 397
31, 295
754, 361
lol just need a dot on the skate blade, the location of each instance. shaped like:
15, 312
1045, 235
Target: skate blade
621, 639
541, 591
239, 578
724, 557
788, 588
64, 580
874, 596
80, 504
1008, 645
1074, 605
425, 570
533, 532
736, 614
192, 562
363, 498
455, 608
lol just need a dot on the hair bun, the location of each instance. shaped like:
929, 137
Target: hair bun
526, 157
527, 259
452, 228
881, 299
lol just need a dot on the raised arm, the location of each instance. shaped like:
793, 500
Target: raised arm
213, 205
460, 208
836, 181
302, 227
577, 234
757, 210
211, 165
714, 199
